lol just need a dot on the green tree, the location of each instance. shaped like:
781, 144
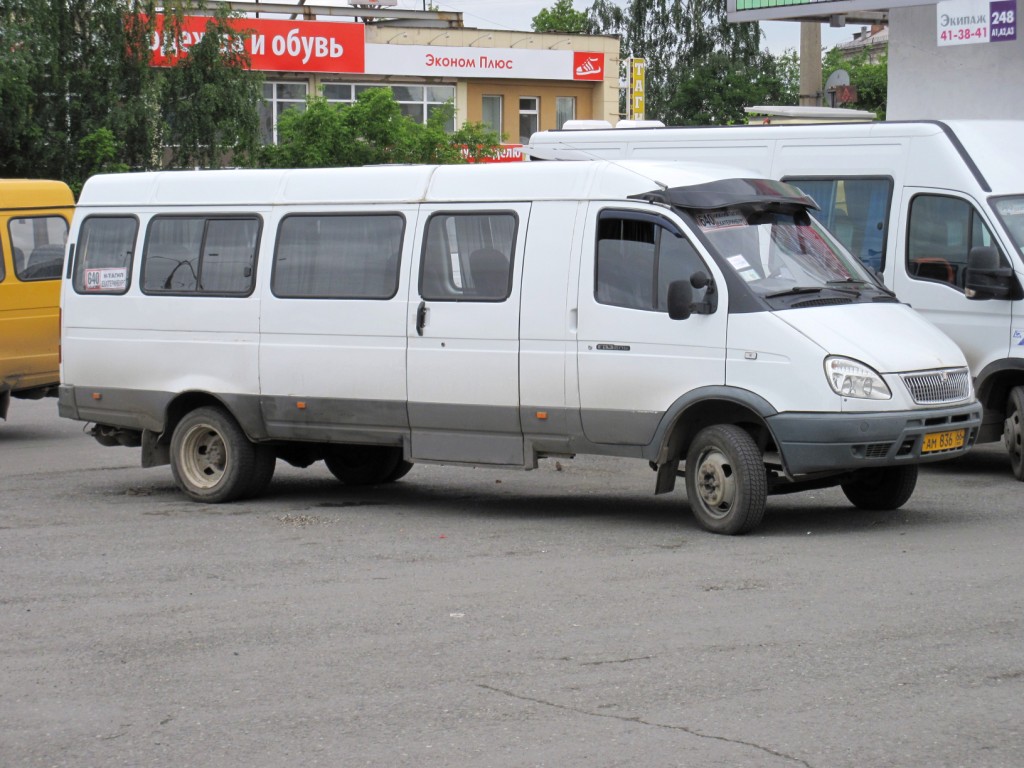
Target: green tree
561, 17
701, 69
870, 80
208, 101
370, 131
79, 83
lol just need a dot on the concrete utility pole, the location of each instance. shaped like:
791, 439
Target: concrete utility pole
810, 64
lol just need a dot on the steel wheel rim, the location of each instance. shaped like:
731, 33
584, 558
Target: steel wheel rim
716, 483
204, 456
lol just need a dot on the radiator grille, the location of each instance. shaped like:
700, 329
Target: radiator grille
932, 387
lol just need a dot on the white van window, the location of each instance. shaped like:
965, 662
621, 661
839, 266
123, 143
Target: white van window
37, 244
103, 259
940, 235
338, 256
637, 259
1011, 212
200, 254
856, 211
468, 257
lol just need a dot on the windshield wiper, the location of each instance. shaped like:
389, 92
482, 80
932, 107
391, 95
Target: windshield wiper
796, 290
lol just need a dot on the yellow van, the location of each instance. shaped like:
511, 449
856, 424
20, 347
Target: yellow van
34, 217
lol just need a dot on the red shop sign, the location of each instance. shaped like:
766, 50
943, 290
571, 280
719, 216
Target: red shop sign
278, 45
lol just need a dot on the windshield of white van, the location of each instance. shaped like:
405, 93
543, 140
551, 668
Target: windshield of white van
786, 254
1011, 213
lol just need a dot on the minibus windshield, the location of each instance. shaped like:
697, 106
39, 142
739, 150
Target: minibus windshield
1011, 213
783, 254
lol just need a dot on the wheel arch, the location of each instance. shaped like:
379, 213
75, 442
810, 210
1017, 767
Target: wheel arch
992, 387
702, 408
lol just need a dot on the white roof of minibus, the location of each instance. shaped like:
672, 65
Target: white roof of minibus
397, 184
993, 145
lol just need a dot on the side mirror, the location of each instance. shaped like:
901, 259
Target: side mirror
680, 296
680, 299
985, 278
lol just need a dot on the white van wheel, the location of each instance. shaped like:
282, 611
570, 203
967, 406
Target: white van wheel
1013, 431
883, 489
213, 461
366, 464
726, 483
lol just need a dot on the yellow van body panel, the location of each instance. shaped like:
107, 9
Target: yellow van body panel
29, 307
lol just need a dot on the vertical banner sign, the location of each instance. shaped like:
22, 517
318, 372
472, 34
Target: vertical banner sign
637, 74
967, 22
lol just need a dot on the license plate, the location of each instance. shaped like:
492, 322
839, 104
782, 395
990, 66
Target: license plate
943, 441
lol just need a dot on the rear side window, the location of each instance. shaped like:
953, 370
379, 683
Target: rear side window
338, 256
856, 211
213, 255
37, 244
468, 256
103, 258
637, 259
940, 235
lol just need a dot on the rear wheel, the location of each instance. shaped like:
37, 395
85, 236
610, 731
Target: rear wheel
885, 488
213, 461
1013, 431
726, 483
366, 464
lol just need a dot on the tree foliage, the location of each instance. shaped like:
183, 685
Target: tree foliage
78, 92
701, 69
561, 17
371, 131
870, 80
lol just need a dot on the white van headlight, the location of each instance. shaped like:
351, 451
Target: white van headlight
849, 378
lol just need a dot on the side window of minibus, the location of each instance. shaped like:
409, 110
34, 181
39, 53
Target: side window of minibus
37, 244
856, 211
338, 256
468, 256
200, 254
637, 259
940, 235
103, 258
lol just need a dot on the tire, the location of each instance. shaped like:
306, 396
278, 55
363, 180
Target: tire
1013, 431
213, 461
882, 489
366, 464
726, 482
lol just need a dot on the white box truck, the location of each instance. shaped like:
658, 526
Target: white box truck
374, 318
937, 208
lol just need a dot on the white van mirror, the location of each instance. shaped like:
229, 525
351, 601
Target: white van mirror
986, 278
680, 296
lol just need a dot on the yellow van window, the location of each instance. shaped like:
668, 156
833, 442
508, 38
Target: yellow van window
37, 246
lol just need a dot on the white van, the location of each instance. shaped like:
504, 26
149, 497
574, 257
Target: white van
377, 317
936, 207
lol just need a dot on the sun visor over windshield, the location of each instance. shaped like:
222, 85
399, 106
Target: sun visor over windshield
731, 192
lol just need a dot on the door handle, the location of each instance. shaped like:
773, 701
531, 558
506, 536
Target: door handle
421, 317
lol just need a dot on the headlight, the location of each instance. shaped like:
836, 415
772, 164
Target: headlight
849, 378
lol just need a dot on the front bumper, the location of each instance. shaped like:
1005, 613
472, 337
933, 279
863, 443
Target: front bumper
819, 442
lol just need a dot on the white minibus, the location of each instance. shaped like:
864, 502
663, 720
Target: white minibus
378, 317
937, 208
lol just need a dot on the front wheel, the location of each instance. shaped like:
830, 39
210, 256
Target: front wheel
1013, 431
213, 461
366, 464
882, 489
726, 483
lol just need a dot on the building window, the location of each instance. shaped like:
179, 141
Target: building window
277, 97
565, 109
492, 113
529, 117
417, 102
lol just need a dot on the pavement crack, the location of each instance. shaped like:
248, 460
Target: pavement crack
614, 661
641, 721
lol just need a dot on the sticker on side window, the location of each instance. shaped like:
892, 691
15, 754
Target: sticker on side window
106, 279
720, 219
